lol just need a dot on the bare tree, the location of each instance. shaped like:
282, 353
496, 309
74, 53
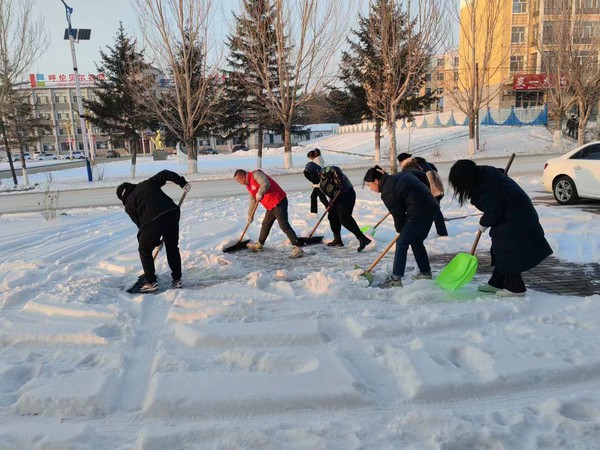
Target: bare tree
22, 40
481, 57
308, 35
177, 33
409, 32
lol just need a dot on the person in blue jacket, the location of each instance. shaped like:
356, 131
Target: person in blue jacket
413, 208
518, 242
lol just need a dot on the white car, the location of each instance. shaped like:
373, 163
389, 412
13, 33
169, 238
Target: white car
44, 156
574, 175
76, 155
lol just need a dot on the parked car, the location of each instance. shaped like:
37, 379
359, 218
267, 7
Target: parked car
17, 156
76, 155
574, 175
112, 154
207, 151
239, 148
44, 156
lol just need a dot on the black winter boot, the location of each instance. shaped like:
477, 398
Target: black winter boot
337, 241
363, 242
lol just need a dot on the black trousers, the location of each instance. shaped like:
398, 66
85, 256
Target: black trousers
438, 219
512, 282
279, 213
167, 228
317, 194
341, 214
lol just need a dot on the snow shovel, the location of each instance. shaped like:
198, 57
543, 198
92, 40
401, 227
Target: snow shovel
463, 266
368, 229
448, 219
367, 273
142, 278
240, 244
310, 239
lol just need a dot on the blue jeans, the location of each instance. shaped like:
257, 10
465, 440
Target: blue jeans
413, 233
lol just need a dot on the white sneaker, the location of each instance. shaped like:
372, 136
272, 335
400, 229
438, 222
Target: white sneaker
297, 252
149, 287
254, 246
507, 293
487, 288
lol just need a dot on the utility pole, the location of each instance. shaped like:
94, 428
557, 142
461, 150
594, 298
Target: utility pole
71, 34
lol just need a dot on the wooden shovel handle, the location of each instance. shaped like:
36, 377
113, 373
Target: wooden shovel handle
331, 203
381, 221
248, 223
506, 169
387, 249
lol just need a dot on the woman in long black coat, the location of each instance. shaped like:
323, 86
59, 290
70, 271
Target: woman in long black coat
518, 242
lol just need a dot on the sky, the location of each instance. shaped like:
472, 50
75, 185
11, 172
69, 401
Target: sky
103, 18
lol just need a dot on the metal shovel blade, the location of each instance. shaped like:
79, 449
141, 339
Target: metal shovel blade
458, 272
368, 275
312, 240
239, 245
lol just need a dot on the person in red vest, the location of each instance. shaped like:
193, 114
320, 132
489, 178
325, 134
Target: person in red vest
264, 189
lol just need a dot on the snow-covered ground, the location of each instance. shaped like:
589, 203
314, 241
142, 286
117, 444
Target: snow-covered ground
263, 352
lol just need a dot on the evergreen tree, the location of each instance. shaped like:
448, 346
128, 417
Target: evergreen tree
248, 110
116, 109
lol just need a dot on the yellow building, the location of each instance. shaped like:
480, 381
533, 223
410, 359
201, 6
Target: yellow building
513, 74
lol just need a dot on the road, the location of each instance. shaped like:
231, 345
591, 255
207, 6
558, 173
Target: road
209, 189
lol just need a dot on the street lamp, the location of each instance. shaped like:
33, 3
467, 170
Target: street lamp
73, 34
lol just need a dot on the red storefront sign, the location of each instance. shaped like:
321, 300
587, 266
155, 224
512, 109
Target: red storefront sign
535, 82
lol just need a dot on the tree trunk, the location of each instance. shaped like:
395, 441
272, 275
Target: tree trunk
23, 164
378, 140
192, 156
472, 121
6, 146
287, 145
557, 141
260, 147
133, 150
584, 114
598, 120
392, 131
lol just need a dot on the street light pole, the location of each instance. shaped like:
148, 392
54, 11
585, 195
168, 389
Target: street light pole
86, 148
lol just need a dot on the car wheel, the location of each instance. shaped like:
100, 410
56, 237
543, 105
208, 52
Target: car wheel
564, 191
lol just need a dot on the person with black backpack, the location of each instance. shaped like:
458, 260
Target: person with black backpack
156, 216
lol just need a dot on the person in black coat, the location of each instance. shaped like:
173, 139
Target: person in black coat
419, 164
310, 169
156, 216
413, 208
571, 126
342, 198
518, 242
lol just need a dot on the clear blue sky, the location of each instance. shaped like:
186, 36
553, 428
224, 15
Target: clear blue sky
103, 17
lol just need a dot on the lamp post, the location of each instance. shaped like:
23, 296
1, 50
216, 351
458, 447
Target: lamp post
72, 33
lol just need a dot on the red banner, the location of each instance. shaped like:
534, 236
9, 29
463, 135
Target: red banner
535, 82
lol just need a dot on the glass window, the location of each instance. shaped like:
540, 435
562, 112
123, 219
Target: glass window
516, 63
440, 76
519, 6
440, 62
590, 152
456, 61
518, 35
588, 6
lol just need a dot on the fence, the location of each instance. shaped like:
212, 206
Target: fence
537, 115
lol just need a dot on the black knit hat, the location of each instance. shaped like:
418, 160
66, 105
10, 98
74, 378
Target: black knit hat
124, 190
403, 156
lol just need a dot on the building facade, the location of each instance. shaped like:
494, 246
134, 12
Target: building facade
518, 73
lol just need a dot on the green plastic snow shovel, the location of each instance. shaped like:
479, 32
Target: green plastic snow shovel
367, 273
368, 229
463, 266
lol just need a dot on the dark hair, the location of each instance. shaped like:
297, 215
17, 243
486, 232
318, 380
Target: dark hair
317, 152
403, 156
239, 172
311, 154
463, 179
374, 173
123, 190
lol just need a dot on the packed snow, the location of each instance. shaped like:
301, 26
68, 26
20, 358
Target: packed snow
262, 352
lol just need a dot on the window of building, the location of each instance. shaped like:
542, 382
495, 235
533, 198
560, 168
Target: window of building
440, 76
456, 61
62, 115
102, 145
549, 35
439, 91
456, 75
554, 6
428, 77
518, 35
60, 98
42, 100
440, 62
588, 6
49, 147
584, 32
519, 6
516, 63
526, 99
64, 147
